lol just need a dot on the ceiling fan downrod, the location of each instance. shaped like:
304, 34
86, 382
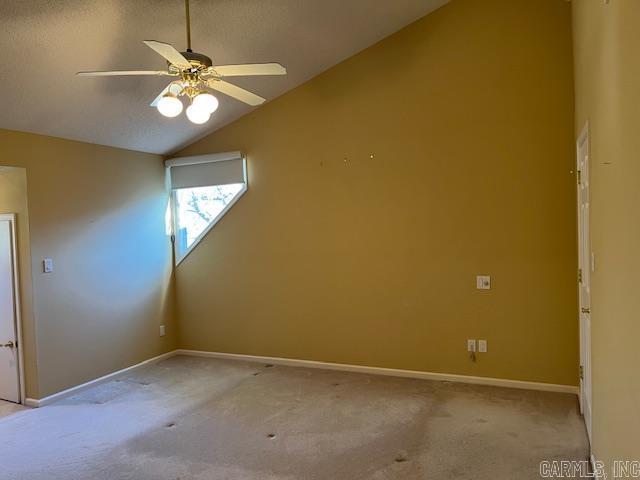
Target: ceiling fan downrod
186, 8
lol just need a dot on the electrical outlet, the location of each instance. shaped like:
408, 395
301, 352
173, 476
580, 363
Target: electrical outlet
482, 346
483, 282
471, 345
163, 331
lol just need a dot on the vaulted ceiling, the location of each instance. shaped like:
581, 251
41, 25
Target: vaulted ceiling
44, 42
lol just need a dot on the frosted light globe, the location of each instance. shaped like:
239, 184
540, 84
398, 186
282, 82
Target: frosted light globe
197, 114
169, 106
206, 101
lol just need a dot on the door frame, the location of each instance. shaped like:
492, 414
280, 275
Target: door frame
586, 388
11, 218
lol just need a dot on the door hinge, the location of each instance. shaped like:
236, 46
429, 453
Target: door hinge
581, 372
579, 275
579, 177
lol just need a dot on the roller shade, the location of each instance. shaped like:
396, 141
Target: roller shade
206, 170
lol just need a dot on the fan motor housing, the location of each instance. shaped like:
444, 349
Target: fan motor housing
197, 58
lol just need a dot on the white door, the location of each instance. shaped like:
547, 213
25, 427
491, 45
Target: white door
585, 265
9, 374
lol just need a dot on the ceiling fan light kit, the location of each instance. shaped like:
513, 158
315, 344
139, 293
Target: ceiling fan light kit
206, 101
170, 105
196, 77
197, 115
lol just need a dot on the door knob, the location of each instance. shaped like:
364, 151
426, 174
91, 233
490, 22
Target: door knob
585, 310
8, 344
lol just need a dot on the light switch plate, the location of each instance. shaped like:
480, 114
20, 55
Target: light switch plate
163, 331
47, 265
483, 282
471, 345
482, 346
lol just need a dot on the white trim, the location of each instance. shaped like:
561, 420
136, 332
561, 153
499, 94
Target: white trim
585, 388
208, 158
496, 382
11, 218
392, 372
32, 402
584, 134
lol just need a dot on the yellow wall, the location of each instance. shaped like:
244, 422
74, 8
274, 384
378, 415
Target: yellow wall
99, 213
607, 70
379, 189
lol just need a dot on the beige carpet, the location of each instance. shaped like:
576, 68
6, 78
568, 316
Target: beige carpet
8, 408
195, 418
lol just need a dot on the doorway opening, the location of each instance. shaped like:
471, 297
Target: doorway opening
14, 245
10, 336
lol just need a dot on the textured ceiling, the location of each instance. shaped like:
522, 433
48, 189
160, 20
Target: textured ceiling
44, 42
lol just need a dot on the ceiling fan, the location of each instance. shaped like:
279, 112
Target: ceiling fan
196, 76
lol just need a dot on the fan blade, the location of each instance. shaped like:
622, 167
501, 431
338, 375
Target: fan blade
121, 72
250, 69
171, 54
236, 92
167, 90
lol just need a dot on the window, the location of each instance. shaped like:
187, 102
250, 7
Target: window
204, 189
197, 207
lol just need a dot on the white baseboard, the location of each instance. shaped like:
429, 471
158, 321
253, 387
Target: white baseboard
32, 402
496, 382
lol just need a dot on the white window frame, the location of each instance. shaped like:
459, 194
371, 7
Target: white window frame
216, 157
